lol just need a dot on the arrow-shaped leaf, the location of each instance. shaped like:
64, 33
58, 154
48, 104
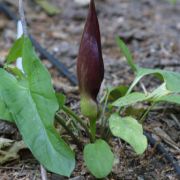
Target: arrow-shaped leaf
33, 104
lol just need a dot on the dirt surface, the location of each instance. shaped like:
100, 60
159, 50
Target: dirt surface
151, 29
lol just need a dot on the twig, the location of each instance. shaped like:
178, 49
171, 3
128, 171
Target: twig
43, 173
22, 17
175, 119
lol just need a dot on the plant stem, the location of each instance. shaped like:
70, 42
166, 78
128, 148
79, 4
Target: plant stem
146, 112
108, 135
93, 129
63, 124
22, 17
79, 120
104, 120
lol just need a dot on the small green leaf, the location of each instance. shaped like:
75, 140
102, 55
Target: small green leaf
173, 2
126, 53
130, 99
172, 98
171, 79
116, 92
159, 92
61, 99
129, 130
98, 158
135, 97
48, 7
135, 112
14, 70
15, 51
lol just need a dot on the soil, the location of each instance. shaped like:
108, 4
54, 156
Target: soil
151, 30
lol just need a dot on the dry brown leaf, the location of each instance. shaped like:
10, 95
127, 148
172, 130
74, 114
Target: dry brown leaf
9, 149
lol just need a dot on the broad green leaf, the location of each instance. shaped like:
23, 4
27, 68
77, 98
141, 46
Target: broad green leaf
172, 79
37, 130
4, 112
33, 104
98, 158
172, 98
61, 99
130, 99
126, 53
129, 130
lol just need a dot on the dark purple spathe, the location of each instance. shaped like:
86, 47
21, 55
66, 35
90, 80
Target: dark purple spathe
90, 66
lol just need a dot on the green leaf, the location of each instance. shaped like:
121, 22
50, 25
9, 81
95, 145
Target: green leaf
33, 104
116, 92
4, 112
98, 158
130, 99
172, 98
61, 99
15, 51
135, 112
135, 97
159, 92
126, 53
173, 1
48, 7
172, 79
129, 130
14, 70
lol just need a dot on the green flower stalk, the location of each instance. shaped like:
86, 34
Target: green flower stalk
90, 66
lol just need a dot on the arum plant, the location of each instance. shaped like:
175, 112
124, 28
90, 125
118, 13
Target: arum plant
90, 68
29, 100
